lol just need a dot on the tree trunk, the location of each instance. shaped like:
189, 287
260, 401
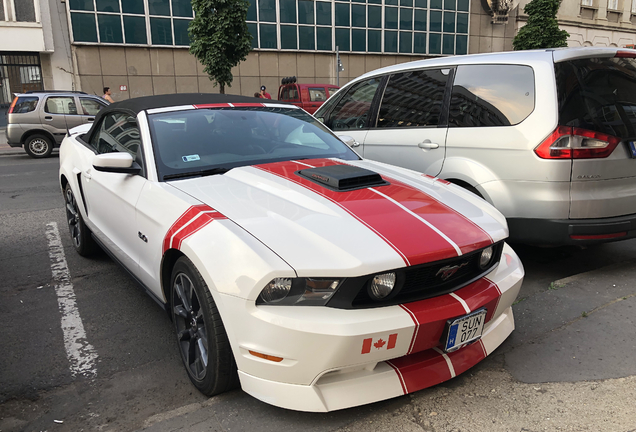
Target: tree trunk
222, 88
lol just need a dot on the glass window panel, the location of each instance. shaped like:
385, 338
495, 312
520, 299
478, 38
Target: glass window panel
287, 11
390, 41
359, 1
159, 7
305, 12
107, 5
323, 38
406, 42
267, 11
342, 39
181, 8
491, 95
436, 21
448, 46
90, 106
24, 10
374, 1
268, 36
342, 14
449, 22
323, 13
110, 28
420, 20
419, 43
391, 18
252, 27
406, 2
461, 44
434, 43
60, 105
2, 12
436, 4
391, 2
375, 41
358, 40
135, 30
160, 31
133, 6
462, 5
375, 16
358, 15
86, 5
421, 3
462, 23
352, 110
406, 19
84, 28
288, 37
413, 99
306, 38
181, 32
449, 5
251, 11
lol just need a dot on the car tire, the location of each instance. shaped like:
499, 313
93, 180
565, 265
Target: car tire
201, 337
38, 146
83, 241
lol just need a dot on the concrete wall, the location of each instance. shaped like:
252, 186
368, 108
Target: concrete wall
148, 71
484, 36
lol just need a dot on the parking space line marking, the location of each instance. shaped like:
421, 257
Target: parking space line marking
81, 355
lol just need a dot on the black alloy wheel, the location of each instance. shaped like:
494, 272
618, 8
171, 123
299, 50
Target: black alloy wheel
203, 343
38, 146
80, 234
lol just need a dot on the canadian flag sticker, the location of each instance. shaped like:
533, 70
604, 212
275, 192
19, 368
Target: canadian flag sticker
369, 344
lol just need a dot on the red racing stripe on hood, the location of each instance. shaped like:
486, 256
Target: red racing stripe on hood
191, 221
413, 239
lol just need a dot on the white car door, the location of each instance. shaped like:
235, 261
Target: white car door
407, 132
111, 197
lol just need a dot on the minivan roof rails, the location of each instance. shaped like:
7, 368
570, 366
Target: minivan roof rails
54, 91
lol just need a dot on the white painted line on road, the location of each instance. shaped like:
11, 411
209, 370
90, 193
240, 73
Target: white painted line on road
81, 354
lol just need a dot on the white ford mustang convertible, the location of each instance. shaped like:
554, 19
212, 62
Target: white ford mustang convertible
314, 279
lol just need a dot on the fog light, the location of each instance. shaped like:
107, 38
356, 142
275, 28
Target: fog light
486, 257
382, 285
276, 290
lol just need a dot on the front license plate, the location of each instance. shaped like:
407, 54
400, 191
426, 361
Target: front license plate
464, 330
632, 148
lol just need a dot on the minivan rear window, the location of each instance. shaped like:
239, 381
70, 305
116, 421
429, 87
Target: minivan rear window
25, 104
598, 94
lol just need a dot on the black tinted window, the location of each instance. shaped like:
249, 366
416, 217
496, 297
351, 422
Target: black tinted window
352, 110
25, 105
491, 95
598, 94
413, 99
118, 132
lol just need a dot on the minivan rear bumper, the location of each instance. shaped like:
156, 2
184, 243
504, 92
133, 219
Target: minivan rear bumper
572, 231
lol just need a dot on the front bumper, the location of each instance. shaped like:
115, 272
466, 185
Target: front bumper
328, 361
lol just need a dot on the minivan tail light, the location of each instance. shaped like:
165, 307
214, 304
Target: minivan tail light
575, 143
625, 54
15, 99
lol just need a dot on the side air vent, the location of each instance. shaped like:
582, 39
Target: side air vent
343, 177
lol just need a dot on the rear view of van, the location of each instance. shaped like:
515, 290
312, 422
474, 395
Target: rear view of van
546, 136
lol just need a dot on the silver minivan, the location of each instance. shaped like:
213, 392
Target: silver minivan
39, 120
545, 136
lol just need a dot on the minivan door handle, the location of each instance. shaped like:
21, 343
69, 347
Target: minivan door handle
48, 118
428, 145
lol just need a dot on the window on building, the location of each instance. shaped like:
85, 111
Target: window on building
24, 10
612, 5
587, 2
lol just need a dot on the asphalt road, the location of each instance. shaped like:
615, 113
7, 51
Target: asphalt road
570, 361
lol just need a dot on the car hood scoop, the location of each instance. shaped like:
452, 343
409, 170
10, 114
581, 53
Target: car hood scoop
343, 177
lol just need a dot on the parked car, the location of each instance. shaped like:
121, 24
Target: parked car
545, 136
39, 120
307, 96
326, 280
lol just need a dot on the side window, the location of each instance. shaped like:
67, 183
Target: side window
317, 94
25, 104
352, 110
293, 93
60, 105
117, 132
90, 106
413, 99
491, 95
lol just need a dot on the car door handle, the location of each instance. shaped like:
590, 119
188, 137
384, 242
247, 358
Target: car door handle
90, 119
48, 118
428, 145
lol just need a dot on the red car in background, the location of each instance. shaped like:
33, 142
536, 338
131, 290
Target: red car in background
307, 96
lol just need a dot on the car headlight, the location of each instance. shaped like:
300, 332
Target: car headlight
486, 257
382, 285
298, 291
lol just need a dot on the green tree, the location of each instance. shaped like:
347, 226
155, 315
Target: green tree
219, 37
542, 29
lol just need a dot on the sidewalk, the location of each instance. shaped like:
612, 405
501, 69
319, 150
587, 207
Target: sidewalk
4, 147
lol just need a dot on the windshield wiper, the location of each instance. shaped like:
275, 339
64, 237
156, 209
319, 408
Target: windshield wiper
205, 172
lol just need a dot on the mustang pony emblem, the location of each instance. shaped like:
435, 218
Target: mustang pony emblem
448, 271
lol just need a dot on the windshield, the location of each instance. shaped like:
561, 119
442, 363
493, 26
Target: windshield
598, 94
209, 141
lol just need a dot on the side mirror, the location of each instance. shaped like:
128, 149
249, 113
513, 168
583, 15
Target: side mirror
119, 162
348, 140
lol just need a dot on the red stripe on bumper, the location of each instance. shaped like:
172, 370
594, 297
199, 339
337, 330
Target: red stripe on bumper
421, 370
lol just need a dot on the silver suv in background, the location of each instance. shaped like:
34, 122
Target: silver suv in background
548, 136
39, 120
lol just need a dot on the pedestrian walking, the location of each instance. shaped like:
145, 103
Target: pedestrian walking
107, 95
